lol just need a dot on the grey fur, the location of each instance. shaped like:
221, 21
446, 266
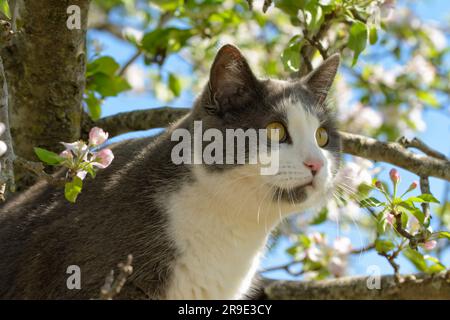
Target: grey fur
119, 213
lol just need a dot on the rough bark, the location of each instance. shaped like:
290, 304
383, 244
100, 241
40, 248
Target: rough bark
391, 152
135, 120
7, 160
422, 287
45, 71
396, 154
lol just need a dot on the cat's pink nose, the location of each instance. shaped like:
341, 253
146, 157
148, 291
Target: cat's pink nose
314, 165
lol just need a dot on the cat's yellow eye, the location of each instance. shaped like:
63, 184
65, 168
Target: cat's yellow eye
282, 134
322, 137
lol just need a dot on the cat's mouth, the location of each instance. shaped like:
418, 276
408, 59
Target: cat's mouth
293, 194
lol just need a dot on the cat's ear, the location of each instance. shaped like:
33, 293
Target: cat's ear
231, 82
319, 81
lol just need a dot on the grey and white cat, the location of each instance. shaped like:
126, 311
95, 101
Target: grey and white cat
194, 231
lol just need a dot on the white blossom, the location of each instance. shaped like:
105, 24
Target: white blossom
437, 37
337, 266
135, 76
133, 33
342, 245
356, 172
423, 69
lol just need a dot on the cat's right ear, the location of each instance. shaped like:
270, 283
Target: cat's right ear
319, 81
231, 82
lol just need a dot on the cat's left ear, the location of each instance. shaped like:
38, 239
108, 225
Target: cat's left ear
319, 81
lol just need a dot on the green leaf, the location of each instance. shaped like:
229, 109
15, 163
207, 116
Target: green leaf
416, 259
291, 55
428, 98
106, 65
304, 241
358, 39
373, 35
94, 106
48, 157
167, 40
404, 218
72, 189
168, 5
293, 250
89, 168
290, 7
320, 217
437, 266
174, 84
370, 202
381, 226
316, 15
4, 7
420, 216
428, 198
443, 234
108, 86
383, 246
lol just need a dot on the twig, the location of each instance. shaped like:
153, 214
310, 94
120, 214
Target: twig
130, 62
37, 168
420, 145
112, 287
391, 259
363, 249
445, 199
425, 188
266, 5
399, 228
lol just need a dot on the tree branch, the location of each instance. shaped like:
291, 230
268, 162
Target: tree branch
414, 287
394, 153
365, 147
420, 145
135, 120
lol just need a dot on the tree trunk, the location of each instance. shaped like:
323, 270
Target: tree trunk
45, 71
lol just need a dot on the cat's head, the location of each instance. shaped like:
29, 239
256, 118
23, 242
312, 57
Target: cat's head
309, 143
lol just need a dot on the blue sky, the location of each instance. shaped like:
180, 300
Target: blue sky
436, 135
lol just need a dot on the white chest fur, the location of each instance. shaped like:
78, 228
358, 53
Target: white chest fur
221, 233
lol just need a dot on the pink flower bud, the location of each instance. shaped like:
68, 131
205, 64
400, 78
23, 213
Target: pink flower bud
429, 245
97, 136
66, 154
390, 218
413, 186
395, 176
317, 237
378, 184
103, 158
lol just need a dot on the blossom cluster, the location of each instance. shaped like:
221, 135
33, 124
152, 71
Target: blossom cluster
81, 159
